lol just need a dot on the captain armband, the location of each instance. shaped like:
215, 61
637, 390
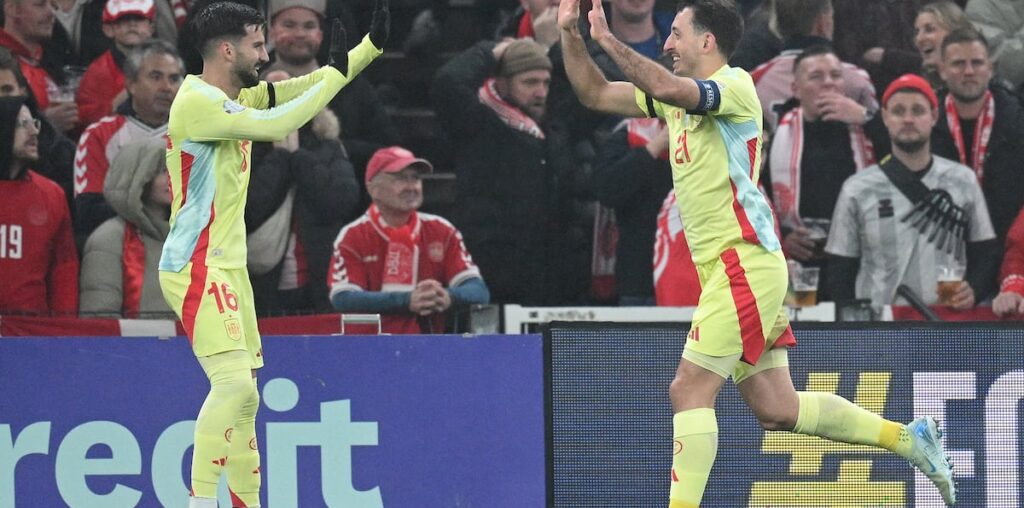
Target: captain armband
710, 96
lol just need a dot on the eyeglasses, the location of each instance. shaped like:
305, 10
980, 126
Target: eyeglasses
23, 123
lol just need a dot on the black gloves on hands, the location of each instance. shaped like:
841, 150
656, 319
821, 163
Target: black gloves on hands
380, 25
380, 28
338, 54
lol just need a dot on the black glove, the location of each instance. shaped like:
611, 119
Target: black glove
380, 25
338, 55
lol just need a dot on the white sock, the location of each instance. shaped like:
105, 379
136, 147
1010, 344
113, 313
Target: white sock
202, 502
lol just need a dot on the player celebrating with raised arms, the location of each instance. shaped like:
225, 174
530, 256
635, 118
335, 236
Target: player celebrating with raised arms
213, 121
740, 327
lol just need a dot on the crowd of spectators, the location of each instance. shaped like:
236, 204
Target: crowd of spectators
894, 152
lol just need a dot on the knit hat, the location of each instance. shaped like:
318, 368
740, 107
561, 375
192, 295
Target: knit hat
9, 109
116, 9
912, 83
276, 6
523, 55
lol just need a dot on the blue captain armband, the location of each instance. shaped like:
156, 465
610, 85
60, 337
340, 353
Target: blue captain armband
710, 96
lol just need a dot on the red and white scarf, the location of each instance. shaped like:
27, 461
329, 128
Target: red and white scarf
180, 9
401, 263
511, 115
787, 154
982, 133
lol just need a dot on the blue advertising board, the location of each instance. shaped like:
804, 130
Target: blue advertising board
611, 419
439, 421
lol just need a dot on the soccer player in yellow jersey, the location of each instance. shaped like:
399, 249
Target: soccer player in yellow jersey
213, 121
740, 328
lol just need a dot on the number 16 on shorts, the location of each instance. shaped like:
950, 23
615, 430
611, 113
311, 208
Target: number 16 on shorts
227, 301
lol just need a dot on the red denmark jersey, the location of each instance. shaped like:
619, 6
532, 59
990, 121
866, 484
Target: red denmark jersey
359, 257
100, 143
38, 262
675, 276
1012, 274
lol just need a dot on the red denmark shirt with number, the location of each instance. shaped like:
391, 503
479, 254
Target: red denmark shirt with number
358, 265
38, 263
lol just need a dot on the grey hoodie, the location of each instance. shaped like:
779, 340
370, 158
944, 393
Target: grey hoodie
102, 285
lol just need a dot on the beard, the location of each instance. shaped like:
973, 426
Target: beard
247, 77
297, 54
536, 112
910, 146
966, 96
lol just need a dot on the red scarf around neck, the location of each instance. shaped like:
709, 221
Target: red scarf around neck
982, 133
511, 115
525, 26
401, 263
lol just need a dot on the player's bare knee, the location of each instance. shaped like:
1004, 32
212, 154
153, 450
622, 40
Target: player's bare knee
776, 419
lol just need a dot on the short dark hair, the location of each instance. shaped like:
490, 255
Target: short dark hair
222, 20
797, 17
813, 50
963, 35
719, 17
133, 61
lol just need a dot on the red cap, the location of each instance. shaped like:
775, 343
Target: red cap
116, 9
394, 159
914, 83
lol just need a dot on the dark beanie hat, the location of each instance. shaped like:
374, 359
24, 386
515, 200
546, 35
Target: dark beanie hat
523, 55
9, 108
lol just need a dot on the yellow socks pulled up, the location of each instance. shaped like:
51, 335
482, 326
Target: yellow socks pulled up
695, 445
243, 466
832, 417
231, 388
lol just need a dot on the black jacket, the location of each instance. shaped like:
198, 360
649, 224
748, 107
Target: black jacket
518, 196
326, 198
1003, 182
634, 184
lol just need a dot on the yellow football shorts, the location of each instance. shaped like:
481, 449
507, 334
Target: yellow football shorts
740, 308
216, 308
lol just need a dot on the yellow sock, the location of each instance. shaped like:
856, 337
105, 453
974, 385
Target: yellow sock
832, 417
243, 466
231, 386
694, 449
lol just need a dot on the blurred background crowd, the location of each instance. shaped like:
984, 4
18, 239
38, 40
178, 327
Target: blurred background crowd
549, 203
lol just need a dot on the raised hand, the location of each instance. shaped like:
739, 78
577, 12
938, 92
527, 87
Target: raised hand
837, 107
338, 53
380, 25
598, 22
569, 15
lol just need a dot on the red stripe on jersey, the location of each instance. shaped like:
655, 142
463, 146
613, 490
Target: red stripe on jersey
785, 339
746, 229
194, 293
236, 502
746, 308
187, 160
